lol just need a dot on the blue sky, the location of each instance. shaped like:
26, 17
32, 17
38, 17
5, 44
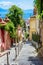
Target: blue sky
24, 4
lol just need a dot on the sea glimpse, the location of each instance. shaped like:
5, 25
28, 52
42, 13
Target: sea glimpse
26, 13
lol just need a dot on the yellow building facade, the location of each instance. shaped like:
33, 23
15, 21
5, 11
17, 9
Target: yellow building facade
33, 26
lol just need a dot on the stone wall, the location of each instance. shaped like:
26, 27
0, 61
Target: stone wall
41, 31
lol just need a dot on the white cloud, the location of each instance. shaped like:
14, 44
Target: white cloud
25, 5
22, 4
5, 4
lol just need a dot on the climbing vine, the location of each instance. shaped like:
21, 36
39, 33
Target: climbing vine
39, 5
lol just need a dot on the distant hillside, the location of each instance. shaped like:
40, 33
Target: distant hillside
3, 12
27, 13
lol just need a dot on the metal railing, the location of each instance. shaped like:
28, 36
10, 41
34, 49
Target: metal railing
17, 48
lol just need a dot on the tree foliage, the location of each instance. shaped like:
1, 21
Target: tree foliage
10, 28
15, 15
36, 37
39, 5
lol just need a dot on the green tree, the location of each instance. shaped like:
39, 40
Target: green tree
10, 28
39, 5
15, 15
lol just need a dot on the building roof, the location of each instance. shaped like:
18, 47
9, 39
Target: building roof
6, 19
2, 21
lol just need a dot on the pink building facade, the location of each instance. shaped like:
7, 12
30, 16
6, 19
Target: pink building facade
5, 41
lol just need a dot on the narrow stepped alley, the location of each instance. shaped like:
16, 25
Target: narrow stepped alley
28, 56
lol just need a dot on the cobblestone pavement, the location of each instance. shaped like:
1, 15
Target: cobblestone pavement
28, 56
